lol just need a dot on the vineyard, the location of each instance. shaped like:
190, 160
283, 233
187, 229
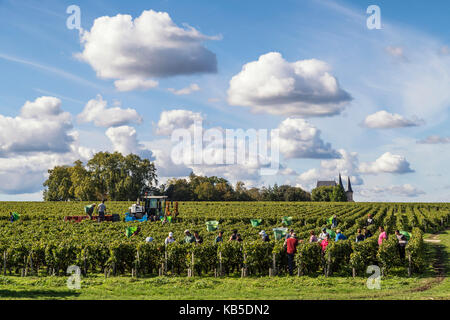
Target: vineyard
41, 243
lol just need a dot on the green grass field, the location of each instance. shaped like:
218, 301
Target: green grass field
433, 284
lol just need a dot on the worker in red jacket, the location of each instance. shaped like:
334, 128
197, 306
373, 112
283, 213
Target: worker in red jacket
291, 247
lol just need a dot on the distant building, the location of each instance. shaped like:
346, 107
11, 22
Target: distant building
348, 193
326, 184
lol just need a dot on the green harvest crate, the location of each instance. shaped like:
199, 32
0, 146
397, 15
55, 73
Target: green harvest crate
255, 222
287, 221
279, 233
212, 225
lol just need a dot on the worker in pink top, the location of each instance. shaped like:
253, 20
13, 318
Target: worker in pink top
382, 236
324, 243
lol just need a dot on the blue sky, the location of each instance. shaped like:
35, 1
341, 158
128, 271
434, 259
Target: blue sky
391, 136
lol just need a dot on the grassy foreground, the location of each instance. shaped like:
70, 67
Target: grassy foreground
434, 284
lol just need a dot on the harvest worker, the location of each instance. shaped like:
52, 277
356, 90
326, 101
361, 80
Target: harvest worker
264, 236
359, 236
291, 248
169, 239
324, 243
101, 211
198, 239
339, 236
233, 236
402, 241
188, 238
90, 210
132, 231
291, 232
219, 238
149, 239
312, 237
323, 235
369, 219
367, 233
334, 222
382, 236
238, 238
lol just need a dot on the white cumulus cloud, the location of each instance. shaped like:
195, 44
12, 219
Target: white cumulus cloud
134, 51
176, 119
42, 126
275, 86
124, 139
387, 163
96, 111
385, 120
300, 139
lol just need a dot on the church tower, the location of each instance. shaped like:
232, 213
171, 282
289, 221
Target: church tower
340, 181
349, 192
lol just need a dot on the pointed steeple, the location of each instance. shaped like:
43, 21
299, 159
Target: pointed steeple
340, 181
349, 185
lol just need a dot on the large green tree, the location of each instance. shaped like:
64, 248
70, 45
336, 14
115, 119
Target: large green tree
58, 186
83, 187
328, 193
121, 178
106, 176
338, 194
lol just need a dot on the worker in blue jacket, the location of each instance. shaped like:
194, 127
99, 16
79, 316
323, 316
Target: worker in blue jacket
339, 236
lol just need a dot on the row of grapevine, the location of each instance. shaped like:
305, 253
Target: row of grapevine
257, 257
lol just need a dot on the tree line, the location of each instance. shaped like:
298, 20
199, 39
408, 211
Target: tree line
116, 177
198, 188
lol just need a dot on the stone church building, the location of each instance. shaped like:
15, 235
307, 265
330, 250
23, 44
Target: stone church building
348, 193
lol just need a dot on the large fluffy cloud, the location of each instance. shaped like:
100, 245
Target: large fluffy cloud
42, 126
96, 111
150, 46
124, 139
176, 119
300, 139
387, 163
385, 120
275, 86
